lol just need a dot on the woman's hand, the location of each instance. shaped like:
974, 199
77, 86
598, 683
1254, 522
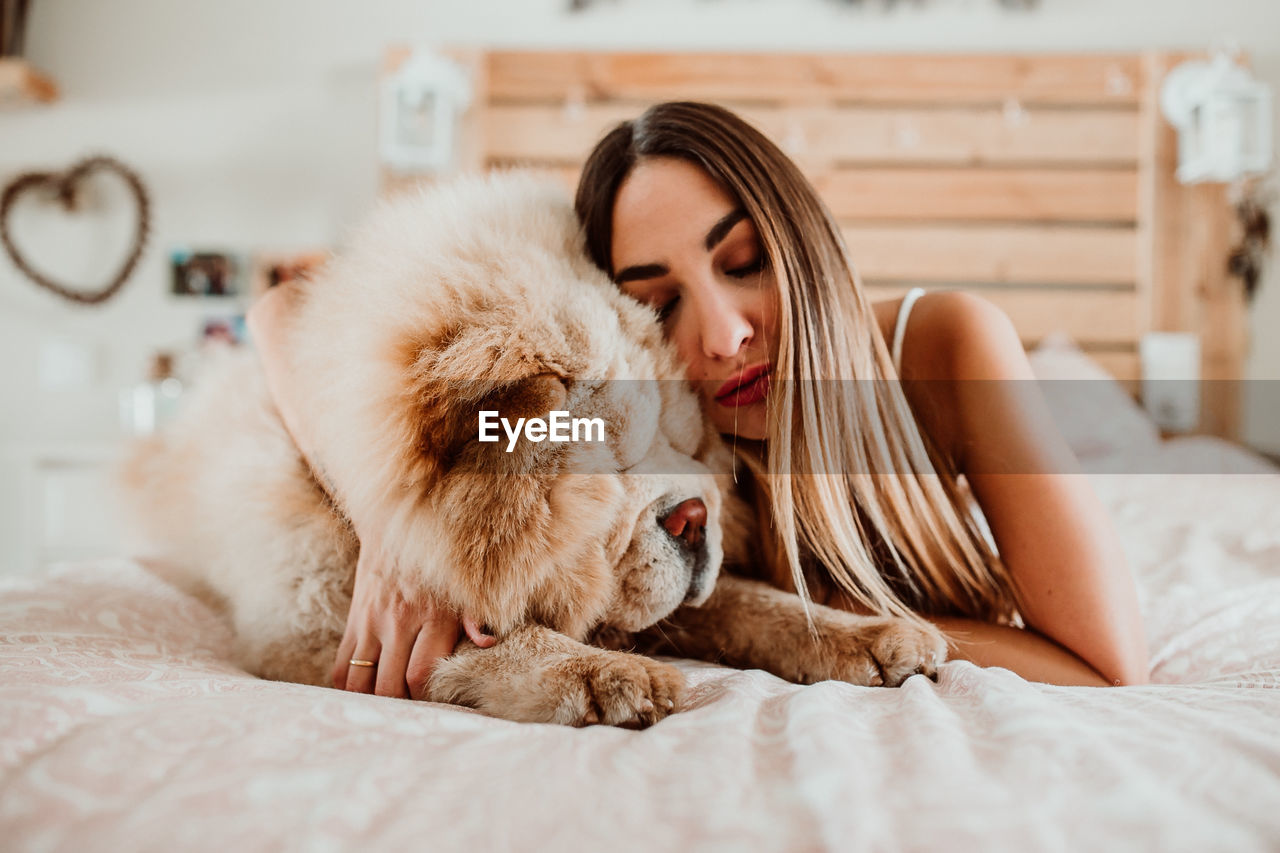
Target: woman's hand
403, 633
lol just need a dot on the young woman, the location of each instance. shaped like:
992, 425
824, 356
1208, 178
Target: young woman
865, 489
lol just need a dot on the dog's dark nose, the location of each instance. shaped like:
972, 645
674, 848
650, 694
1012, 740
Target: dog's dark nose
688, 521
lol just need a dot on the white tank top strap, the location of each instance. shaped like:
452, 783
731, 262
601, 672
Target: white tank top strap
900, 324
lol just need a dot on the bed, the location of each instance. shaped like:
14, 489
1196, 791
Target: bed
123, 725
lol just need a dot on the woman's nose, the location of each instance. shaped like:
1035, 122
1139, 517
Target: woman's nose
724, 329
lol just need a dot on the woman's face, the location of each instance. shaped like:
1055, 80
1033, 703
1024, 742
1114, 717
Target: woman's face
682, 245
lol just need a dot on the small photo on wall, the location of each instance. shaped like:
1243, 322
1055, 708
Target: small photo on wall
223, 330
204, 273
271, 269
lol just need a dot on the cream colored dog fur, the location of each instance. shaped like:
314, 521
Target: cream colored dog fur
477, 295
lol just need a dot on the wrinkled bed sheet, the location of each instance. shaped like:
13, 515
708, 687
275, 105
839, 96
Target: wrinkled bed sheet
123, 726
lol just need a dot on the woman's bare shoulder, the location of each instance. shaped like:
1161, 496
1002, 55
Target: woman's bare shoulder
944, 328
950, 335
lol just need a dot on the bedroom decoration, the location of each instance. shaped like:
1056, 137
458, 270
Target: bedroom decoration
65, 189
1170, 379
222, 330
420, 105
204, 273
1249, 256
1223, 117
270, 269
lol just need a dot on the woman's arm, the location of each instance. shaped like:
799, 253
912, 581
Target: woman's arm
1071, 577
402, 631
266, 320
1030, 655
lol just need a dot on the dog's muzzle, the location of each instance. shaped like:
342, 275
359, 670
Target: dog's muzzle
687, 524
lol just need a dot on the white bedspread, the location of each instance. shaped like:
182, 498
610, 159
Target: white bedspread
123, 727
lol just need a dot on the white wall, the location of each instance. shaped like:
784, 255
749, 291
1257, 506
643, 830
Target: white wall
253, 123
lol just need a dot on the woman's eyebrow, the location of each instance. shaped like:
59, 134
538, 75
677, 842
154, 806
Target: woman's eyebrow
723, 227
714, 236
641, 271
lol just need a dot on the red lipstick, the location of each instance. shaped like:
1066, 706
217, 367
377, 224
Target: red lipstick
749, 386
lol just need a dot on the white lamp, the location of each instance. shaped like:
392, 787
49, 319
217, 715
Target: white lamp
420, 105
1223, 117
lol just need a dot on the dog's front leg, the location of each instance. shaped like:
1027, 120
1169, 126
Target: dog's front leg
537, 675
751, 625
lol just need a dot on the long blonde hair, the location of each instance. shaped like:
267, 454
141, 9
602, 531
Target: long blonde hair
856, 492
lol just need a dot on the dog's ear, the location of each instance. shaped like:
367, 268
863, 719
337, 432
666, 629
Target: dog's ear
528, 397
533, 396
443, 411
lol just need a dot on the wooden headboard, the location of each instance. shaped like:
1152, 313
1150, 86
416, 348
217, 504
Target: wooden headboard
1044, 182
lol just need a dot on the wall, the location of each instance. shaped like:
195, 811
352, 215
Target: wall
253, 124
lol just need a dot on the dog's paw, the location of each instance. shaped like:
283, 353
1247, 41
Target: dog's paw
615, 689
882, 652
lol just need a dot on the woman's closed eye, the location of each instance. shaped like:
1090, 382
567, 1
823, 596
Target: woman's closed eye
753, 268
664, 309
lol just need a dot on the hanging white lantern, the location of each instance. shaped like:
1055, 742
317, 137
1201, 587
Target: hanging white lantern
1223, 117
420, 106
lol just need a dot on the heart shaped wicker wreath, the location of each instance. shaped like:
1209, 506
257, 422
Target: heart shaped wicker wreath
64, 187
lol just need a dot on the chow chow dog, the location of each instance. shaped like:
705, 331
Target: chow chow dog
466, 303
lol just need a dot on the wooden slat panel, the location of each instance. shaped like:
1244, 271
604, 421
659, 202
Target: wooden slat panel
935, 195
552, 133
471, 142
884, 137
1223, 316
953, 136
1158, 210
1075, 195
1090, 317
1171, 240
1055, 254
932, 79
1030, 254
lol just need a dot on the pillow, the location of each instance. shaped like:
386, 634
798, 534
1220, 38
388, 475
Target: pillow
1094, 413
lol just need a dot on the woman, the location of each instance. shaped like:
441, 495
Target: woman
695, 213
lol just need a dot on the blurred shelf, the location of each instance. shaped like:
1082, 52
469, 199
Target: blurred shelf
21, 84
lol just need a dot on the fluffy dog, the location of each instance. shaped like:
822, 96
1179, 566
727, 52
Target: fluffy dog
476, 296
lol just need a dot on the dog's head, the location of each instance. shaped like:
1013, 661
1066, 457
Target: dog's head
526, 435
